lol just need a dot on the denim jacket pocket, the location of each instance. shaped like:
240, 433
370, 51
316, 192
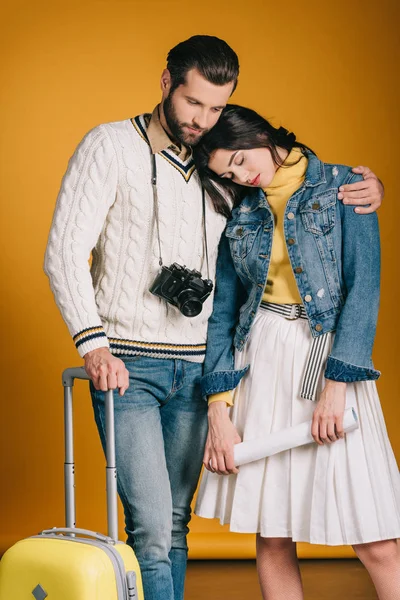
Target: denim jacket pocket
318, 215
241, 238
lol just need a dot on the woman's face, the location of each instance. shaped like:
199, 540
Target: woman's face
253, 168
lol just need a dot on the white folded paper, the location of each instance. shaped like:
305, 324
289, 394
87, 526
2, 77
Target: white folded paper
292, 437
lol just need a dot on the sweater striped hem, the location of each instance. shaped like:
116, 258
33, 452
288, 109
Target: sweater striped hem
190, 352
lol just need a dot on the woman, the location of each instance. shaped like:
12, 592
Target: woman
296, 297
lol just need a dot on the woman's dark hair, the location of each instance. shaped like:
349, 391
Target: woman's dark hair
238, 128
212, 57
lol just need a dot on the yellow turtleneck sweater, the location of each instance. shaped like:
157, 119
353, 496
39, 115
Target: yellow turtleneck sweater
281, 287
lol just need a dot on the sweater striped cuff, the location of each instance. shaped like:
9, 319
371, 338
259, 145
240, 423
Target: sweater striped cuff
90, 339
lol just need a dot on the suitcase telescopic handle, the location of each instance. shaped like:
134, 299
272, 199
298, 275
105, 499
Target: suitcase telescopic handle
68, 378
72, 531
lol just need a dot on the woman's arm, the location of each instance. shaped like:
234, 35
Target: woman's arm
350, 358
219, 374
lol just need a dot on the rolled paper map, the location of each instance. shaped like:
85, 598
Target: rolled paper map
285, 439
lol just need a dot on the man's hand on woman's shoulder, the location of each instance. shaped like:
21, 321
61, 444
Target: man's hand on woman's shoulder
370, 192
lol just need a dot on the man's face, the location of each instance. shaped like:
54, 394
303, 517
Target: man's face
194, 107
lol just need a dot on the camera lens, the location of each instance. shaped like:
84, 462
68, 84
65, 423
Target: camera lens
189, 305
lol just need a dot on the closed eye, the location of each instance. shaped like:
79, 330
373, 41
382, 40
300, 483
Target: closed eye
239, 160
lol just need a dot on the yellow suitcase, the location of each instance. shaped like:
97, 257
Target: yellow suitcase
70, 563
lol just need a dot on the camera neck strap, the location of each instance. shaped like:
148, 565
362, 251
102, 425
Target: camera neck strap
155, 198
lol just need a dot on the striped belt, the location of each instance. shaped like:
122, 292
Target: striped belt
319, 349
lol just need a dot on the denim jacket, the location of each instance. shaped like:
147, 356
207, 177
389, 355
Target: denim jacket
339, 255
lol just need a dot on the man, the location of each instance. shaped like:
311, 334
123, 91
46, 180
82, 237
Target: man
133, 219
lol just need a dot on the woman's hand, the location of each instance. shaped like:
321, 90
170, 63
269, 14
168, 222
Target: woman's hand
327, 423
222, 436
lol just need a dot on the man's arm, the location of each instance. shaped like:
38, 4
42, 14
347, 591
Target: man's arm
87, 192
369, 191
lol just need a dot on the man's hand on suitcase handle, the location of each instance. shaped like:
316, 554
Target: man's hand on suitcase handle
106, 371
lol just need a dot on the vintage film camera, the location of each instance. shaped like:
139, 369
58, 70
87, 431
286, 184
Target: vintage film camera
183, 288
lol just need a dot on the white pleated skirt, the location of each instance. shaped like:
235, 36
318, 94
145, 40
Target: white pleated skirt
347, 492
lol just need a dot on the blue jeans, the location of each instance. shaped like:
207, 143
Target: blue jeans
160, 430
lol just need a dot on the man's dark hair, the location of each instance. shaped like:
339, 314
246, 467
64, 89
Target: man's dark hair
212, 57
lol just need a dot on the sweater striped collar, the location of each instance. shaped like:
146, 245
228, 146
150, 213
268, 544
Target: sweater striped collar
185, 167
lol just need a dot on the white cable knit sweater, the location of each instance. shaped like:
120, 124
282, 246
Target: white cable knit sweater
105, 206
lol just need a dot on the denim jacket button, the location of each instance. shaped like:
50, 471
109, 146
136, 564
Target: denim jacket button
290, 216
318, 327
308, 298
239, 231
299, 270
316, 206
291, 241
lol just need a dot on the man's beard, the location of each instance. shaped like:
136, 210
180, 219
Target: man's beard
177, 129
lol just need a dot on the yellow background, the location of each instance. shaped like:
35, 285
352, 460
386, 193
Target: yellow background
328, 71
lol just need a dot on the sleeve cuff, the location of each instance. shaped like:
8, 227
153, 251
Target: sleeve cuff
338, 370
221, 381
90, 339
221, 397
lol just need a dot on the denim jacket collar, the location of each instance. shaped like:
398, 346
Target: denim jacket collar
315, 174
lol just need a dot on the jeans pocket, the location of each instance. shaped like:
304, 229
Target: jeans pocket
130, 358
